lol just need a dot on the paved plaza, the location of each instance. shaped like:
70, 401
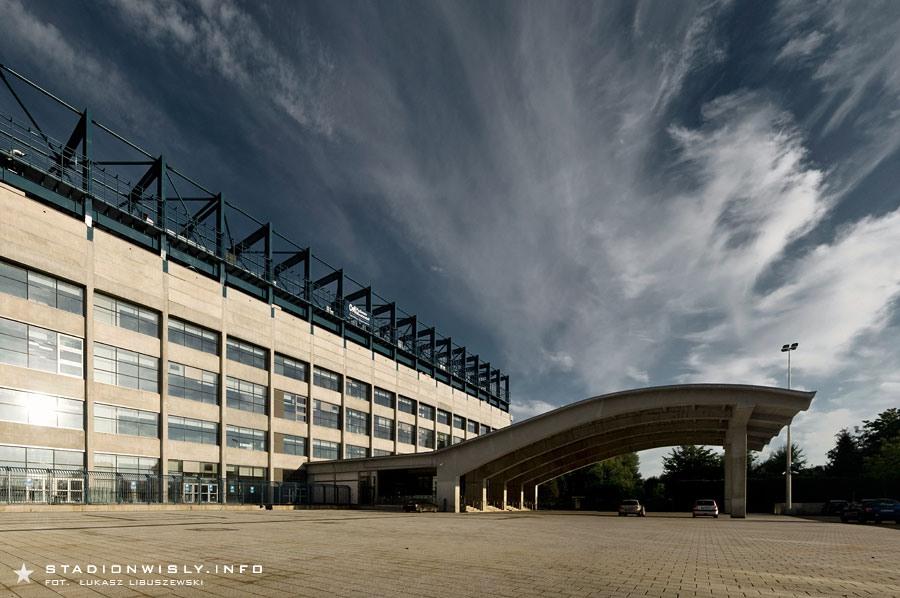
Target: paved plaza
371, 553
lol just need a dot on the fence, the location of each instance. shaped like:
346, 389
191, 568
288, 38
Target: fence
77, 486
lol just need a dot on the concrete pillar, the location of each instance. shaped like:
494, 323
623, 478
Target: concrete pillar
484, 495
504, 497
727, 492
536, 496
522, 496
447, 491
736, 470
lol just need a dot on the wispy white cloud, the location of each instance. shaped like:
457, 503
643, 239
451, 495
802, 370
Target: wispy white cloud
219, 35
98, 81
798, 48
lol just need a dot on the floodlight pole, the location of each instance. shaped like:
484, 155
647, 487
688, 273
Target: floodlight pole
788, 494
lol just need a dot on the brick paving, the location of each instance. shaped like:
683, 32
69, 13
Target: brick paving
370, 553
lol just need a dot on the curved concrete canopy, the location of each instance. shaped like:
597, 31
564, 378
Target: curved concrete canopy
736, 416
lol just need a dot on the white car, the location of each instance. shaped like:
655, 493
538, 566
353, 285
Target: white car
632, 507
705, 507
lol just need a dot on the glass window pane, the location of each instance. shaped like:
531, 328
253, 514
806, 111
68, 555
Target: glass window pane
42, 289
13, 280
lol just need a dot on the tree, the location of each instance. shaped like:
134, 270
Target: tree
774, 465
602, 484
846, 458
884, 428
691, 462
885, 464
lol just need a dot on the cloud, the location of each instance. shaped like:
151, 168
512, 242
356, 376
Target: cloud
95, 79
219, 36
522, 410
801, 47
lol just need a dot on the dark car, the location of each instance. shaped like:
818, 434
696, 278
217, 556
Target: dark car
872, 509
420, 506
834, 507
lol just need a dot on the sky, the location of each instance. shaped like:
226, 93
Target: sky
593, 196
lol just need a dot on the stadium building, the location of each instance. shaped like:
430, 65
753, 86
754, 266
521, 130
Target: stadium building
159, 344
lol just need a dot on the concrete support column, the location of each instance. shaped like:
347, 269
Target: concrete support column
522, 497
484, 495
736, 469
504, 504
536, 486
447, 491
727, 492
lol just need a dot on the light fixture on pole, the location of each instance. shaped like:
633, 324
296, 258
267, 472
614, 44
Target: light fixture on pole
789, 503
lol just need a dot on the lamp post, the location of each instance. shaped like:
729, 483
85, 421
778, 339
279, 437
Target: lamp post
789, 503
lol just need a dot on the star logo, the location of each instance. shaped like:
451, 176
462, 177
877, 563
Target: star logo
23, 574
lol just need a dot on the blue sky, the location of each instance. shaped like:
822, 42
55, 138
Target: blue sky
595, 196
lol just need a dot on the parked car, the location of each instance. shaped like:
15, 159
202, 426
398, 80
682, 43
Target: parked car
834, 507
872, 509
420, 506
632, 506
705, 507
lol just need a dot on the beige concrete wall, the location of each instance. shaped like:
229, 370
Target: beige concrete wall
43, 239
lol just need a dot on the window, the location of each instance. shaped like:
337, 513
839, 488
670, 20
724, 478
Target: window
128, 369
357, 422
384, 398
122, 420
406, 433
193, 336
323, 449
443, 417
356, 452
291, 368
473, 426
485, 429
194, 384
426, 437
406, 405
326, 415
38, 409
20, 456
246, 396
193, 468
293, 406
37, 348
245, 438
384, 428
381, 453
126, 464
457, 439
459, 422
357, 389
41, 288
443, 440
246, 353
245, 471
294, 445
123, 314
426, 411
326, 379
193, 430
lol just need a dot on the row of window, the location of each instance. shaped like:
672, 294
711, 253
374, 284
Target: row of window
42, 349
48, 290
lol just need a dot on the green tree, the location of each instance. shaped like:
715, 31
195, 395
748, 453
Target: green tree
692, 462
846, 458
774, 465
884, 428
885, 464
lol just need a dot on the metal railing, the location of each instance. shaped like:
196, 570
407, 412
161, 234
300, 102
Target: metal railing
77, 486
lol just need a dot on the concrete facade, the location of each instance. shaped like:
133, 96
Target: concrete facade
44, 240
506, 467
